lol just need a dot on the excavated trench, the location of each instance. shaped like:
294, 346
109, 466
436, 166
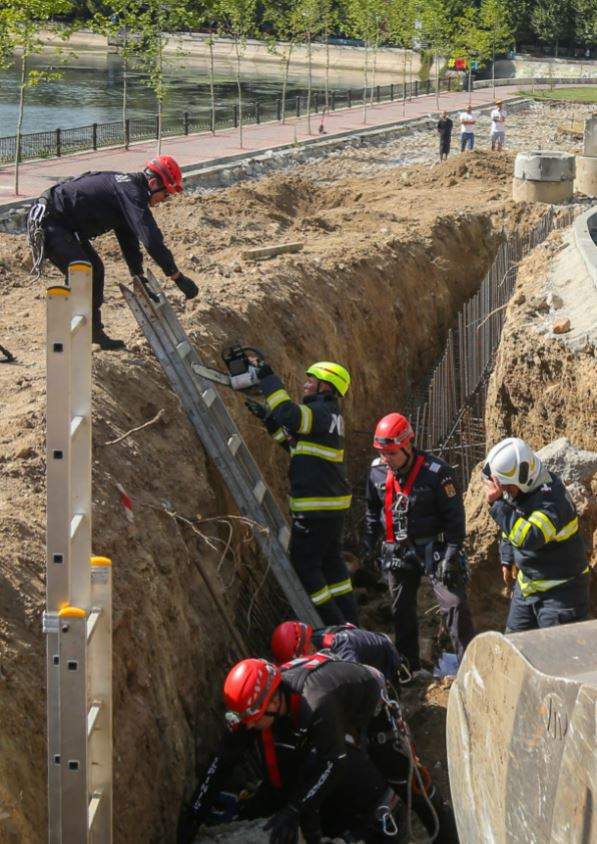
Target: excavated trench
379, 298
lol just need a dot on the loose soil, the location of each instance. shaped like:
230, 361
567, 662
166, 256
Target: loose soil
388, 261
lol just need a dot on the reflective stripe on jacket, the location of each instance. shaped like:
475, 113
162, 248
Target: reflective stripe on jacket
540, 536
313, 434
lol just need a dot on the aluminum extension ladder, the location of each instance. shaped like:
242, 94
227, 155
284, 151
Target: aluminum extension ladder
220, 436
78, 617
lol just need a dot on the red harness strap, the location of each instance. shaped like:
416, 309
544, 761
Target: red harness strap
393, 485
271, 759
308, 662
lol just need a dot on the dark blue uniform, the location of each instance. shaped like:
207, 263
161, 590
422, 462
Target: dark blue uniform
80, 209
354, 644
540, 536
313, 433
434, 520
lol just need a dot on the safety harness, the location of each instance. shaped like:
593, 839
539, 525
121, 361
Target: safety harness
396, 501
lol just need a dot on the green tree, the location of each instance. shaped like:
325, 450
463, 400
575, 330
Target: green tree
239, 21
495, 20
307, 23
551, 21
281, 43
438, 33
20, 38
471, 42
585, 21
402, 20
368, 20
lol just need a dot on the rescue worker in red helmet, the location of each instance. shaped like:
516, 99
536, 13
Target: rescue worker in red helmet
413, 501
63, 221
325, 700
312, 431
293, 639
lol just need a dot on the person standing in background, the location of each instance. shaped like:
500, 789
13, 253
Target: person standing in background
467, 128
498, 126
444, 130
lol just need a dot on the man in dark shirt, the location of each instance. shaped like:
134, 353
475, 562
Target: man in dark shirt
444, 130
69, 215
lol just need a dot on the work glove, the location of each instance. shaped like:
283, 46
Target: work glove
261, 411
150, 293
187, 286
264, 369
448, 569
284, 826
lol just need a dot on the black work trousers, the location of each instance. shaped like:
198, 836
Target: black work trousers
62, 247
561, 605
453, 604
316, 555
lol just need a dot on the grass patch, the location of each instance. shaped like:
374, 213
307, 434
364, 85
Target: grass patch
582, 94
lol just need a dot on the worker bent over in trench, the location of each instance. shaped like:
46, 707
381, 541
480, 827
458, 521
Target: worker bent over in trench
313, 433
65, 218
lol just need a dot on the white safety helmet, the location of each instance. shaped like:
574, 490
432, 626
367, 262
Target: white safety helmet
512, 461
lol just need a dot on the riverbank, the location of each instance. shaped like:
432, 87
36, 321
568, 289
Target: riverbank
391, 64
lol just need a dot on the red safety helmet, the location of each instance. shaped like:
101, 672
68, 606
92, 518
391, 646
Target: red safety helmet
392, 433
167, 171
290, 639
249, 687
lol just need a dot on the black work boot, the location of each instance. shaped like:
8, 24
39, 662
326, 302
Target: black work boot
108, 344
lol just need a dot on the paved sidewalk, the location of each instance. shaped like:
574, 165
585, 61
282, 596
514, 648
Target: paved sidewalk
199, 150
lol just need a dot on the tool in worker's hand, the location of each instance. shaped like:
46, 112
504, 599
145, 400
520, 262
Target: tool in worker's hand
8, 356
242, 362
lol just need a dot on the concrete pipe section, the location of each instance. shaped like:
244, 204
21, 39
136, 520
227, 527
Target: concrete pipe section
543, 176
521, 734
586, 164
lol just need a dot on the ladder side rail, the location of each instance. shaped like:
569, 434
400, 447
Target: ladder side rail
100, 774
73, 724
59, 518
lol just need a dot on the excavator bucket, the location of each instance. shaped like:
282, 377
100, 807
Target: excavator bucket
521, 734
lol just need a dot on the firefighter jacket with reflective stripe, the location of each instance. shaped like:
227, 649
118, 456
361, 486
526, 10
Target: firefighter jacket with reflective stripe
540, 536
95, 203
435, 504
353, 644
313, 433
328, 700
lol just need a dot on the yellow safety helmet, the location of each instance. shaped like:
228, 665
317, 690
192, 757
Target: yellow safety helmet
333, 373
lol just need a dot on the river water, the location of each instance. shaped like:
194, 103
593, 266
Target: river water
90, 91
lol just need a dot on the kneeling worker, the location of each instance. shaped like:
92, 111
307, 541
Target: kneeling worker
313, 433
412, 497
540, 536
65, 218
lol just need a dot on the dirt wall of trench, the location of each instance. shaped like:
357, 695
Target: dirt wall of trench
376, 288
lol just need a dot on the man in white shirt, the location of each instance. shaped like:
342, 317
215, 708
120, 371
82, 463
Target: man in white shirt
498, 126
467, 128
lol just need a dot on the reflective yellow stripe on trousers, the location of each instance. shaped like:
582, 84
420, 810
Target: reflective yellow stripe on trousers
302, 505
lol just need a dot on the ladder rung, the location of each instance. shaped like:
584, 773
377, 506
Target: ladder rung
284, 537
184, 348
209, 396
75, 424
234, 443
92, 716
259, 491
75, 524
76, 323
94, 805
92, 620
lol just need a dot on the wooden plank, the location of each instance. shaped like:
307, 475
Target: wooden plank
262, 253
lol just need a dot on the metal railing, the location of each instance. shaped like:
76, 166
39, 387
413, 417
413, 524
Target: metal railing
57, 142
450, 418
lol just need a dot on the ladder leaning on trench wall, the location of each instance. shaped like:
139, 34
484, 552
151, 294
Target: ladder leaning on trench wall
78, 617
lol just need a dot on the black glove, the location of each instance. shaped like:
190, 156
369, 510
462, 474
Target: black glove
264, 369
261, 411
284, 826
187, 286
150, 293
448, 569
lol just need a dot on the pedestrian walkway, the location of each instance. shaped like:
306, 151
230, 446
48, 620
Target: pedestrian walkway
202, 149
